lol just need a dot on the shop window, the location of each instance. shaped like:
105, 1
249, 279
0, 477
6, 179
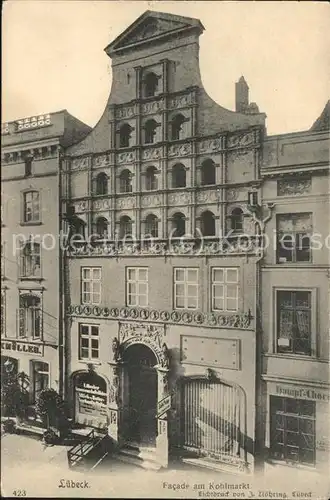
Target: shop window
150, 131
40, 377
292, 434
102, 227
208, 223
151, 226
293, 238
125, 227
185, 288
137, 286
102, 184
225, 289
208, 173
31, 206
177, 127
294, 322
178, 225
91, 285
30, 317
178, 176
30, 261
88, 342
125, 181
151, 179
236, 220
125, 132
150, 84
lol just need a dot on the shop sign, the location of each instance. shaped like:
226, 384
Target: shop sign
21, 346
303, 393
163, 406
91, 400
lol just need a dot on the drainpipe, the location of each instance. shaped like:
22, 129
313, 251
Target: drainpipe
61, 334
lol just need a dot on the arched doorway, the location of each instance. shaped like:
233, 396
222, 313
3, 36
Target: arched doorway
142, 394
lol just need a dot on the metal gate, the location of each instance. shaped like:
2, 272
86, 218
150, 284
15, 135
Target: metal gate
213, 416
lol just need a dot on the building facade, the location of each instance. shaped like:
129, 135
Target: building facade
31, 316
162, 326
295, 298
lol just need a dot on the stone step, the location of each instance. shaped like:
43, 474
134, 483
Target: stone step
134, 460
213, 465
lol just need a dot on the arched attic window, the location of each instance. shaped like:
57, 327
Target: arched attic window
102, 227
151, 226
150, 131
178, 225
176, 127
125, 227
101, 184
125, 181
150, 84
208, 173
236, 220
151, 179
178, 176
208, 223
125, 132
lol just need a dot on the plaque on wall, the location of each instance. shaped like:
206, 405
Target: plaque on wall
222, 353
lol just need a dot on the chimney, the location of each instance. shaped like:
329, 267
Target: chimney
242, 95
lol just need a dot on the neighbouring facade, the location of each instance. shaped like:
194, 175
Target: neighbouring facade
31, 316
162, 326
295, 298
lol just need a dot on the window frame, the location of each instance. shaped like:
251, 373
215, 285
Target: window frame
32, 320
33, 257
137, 282
312, 322
293, 217
224, 285
90, 280
32, 221
286, 415
186, 284
34, 362
89, 336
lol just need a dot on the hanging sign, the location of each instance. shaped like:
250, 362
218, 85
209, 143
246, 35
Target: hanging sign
163, 406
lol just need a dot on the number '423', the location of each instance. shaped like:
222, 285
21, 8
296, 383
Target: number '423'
19, 493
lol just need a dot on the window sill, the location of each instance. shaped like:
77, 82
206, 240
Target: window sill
304, 357
30, 278
34, 223
89, 362
27, 339
297, 263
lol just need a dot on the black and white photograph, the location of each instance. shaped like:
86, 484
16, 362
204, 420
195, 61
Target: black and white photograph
165, 272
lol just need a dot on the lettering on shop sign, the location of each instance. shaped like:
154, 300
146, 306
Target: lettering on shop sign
92, 401
163, 406
303, 393
19, 346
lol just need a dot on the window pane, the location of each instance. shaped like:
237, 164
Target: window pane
95, 353
84, 353
179, 275
292, 406
232, 291
143, 288
232, 275
192, 303
179, 302
143, 300
218, 291
86, 273
218, 304
192, 275
131, 274
231, 304
192, 290
292, 424
95, 343
131, 288
84, 342
96, 274
307, 408
95, 330
218, 275
143, 275
180, 289
84, 329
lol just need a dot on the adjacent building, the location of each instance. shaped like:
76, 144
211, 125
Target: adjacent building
31, 305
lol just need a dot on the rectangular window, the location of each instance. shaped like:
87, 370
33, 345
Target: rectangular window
224, 289
91, 285
294, 322
29, 317
293, 238
292, 436
185, 288
31, 207
88, 342
137, 286
30, 261
40, 378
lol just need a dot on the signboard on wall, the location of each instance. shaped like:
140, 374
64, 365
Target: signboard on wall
24, 347
91, 405
302, 393
222, 353
163, 406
